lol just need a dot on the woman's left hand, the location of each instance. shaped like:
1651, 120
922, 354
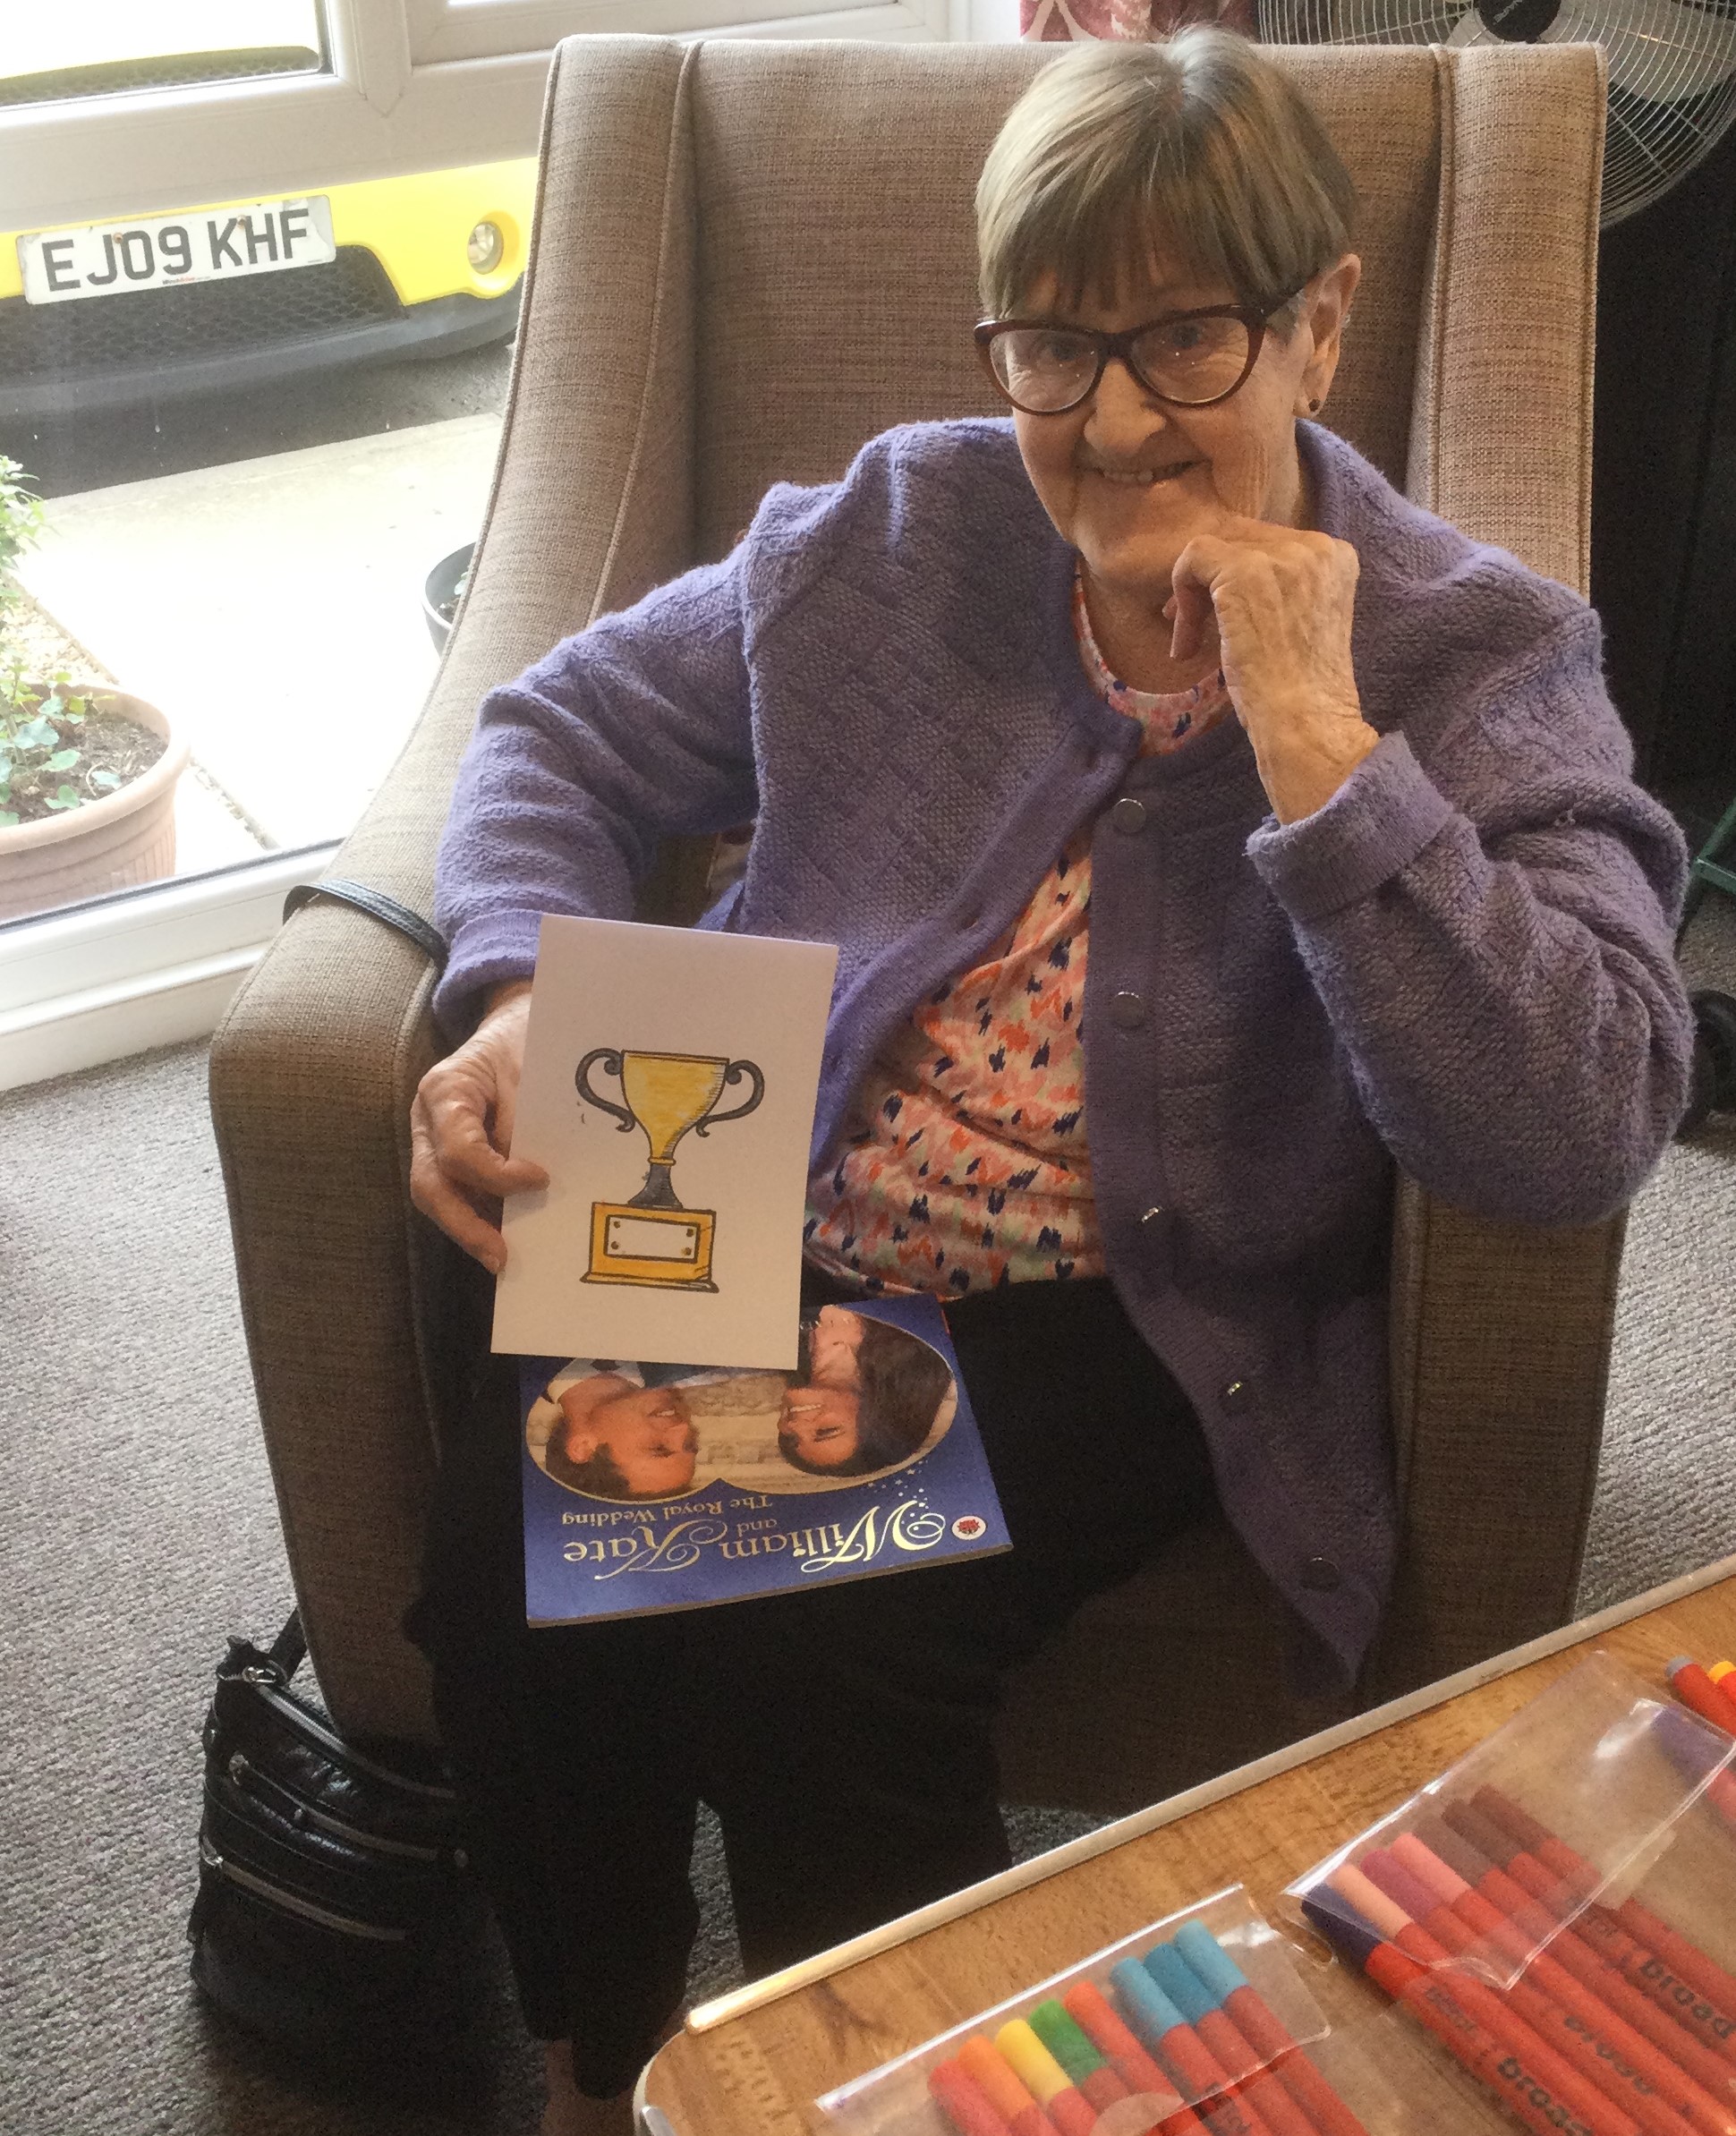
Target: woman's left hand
1282, 598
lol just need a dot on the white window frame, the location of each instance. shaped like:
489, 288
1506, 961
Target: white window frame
152, 966
412, 85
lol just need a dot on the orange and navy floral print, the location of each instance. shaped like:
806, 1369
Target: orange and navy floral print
968, 1165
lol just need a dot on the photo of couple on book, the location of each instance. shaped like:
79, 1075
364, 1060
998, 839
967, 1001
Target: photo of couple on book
865, 1399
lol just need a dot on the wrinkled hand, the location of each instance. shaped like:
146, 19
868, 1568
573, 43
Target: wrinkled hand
460, 1128
1282, 600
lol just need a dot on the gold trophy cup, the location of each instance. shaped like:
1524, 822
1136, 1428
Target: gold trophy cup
652, 1239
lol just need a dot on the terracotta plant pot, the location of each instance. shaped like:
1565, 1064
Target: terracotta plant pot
128, 837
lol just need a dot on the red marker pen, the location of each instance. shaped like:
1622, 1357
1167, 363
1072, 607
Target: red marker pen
964, 2103
1090, 2010
1003, 2090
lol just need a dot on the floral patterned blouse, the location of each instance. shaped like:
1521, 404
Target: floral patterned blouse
968, 1165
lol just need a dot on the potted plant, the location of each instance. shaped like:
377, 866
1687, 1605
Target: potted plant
87, 774
443, 589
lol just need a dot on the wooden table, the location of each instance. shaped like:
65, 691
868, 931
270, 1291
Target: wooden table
750, 2064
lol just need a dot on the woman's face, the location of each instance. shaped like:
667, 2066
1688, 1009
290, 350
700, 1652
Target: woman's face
819, 1424
1130, 480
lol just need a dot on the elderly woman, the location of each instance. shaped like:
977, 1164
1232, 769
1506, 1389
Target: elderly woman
1206, 830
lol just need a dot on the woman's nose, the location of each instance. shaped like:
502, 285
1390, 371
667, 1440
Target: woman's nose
1121, 403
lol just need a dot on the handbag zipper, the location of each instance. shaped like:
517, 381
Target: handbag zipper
242, 1770
346, 1752
273, 1894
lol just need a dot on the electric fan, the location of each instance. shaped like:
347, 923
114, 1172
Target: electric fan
1671, 66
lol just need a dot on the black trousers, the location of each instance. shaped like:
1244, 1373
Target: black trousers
841, 1734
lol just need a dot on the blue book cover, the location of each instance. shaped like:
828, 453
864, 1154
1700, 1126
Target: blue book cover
673, 1487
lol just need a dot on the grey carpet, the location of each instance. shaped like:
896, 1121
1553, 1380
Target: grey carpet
137, 1527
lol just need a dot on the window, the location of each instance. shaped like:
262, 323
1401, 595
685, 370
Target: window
257, 292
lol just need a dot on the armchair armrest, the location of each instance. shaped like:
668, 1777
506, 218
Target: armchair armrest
1500, 1344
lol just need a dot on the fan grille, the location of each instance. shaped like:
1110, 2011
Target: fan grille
1673, 66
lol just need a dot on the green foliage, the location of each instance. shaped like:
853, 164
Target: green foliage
40, 744
38, 735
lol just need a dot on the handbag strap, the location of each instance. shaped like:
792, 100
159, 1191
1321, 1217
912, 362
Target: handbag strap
289, 1649
377, 905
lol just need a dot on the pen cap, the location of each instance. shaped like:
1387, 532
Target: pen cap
1149, 2010
1170, 1970
1071, 2046
1208, 1961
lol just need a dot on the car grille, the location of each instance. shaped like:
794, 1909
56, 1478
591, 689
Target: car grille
150, 326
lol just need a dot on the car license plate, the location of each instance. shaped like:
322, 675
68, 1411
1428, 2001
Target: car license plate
215, 244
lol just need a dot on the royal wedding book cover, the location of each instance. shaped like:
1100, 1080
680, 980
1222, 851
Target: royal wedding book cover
672, 1487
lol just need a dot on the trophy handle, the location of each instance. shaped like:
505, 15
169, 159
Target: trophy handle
734, 1074
611, 1059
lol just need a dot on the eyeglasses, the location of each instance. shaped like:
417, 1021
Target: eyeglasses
1190, 359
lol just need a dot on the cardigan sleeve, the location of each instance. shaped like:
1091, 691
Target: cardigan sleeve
1489, 923
635, 730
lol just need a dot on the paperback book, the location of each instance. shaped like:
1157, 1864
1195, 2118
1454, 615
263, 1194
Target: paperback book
656, 1486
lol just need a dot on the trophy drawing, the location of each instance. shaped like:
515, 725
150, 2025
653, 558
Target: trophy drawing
652, 1239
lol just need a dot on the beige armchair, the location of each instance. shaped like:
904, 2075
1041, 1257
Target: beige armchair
709, 214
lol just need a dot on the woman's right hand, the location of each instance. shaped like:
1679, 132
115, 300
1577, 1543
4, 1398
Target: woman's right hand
461, 1129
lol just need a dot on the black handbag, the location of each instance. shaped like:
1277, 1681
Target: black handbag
335, 1902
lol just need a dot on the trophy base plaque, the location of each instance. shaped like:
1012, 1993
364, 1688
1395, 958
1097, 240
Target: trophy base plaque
666, 1248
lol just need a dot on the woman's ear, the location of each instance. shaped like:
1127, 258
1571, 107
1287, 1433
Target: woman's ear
1325, 309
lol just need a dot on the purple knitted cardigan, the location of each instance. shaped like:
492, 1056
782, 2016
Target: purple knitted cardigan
1462, 963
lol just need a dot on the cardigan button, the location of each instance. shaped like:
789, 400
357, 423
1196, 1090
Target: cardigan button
1151, 1216
1126, 1011
1320, 1576
1129, 816
1237, 1397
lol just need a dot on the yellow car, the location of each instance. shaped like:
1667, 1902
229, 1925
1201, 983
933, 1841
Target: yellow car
241, 293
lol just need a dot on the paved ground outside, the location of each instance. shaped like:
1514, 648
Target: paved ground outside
272, 608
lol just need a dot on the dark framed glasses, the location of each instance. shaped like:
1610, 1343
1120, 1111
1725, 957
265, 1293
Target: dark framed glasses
1189, 359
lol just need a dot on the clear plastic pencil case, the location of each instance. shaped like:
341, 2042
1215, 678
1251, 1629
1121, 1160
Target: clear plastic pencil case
1200, 2025
1543, 1937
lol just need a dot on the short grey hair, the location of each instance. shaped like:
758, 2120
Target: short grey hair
1196, 150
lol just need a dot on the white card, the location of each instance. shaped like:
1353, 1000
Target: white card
668, 1091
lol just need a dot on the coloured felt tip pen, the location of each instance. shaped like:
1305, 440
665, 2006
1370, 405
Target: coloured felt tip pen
1197, 2072
1088, 2069
1045, 2079
963, 2102
1002, 2089
1089, 2008
1498, 2063
1697, 1693
1687, 1957
1260, 2025
1260, 2088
